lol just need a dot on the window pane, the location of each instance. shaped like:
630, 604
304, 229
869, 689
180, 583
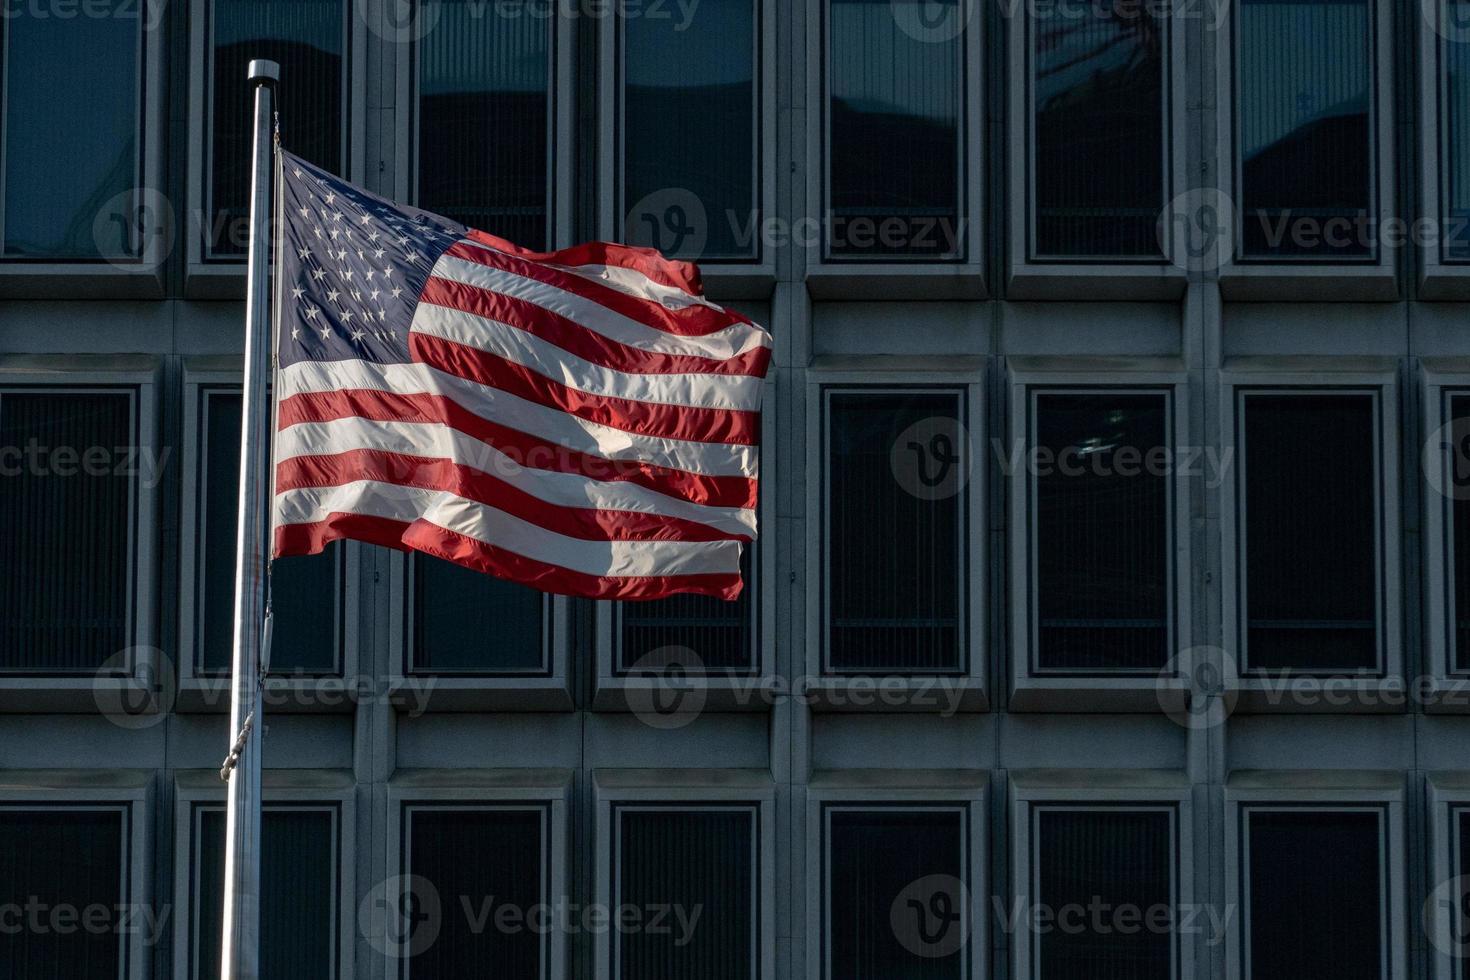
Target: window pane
1460, 521
298, 893
1315, 892
486, 862
1099, 137
687, 860
689, 126
1462, 825
719, 633
893, 131
67, 858
873, 856
1305, 74
71, 133
483, 116
303, 587
1102, 532
896, 579
1118, 859
305, 38
467, 621
1311, 531
66, 529
1456, 136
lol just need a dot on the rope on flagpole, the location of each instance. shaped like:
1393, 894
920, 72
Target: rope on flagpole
233, 759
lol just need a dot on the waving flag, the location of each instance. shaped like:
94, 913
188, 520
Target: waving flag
582, 421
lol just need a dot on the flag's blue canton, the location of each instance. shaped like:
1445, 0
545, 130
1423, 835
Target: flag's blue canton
354, 265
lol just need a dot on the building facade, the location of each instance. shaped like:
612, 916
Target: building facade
1111, 611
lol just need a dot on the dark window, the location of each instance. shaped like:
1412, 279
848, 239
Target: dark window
71, 134
895, 560
1311, 513
690, 148
483, 117
720, 634
66, 528
63, 859
1305, 83
305, 37
298, 892
1100, 129
1462, 832
1459, 487
874, 858
695, 862
1315, 889
1112, 858
893, 130
1101, 590
484, 866
1455, 138
467, 622
304, 601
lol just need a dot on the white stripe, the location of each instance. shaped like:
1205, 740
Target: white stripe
431, 440
636, 284
721, 345
550, 424
502, 530
740, 393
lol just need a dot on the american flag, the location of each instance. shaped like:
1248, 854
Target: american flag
582, 421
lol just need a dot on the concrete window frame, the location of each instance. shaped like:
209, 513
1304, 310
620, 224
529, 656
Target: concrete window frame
1151, 790
894, 277
1440, 278
223, 277
546, 790
1449, 802
127, 791
149, 214
1374, 279
1442, 379
829, 690
947, 790
1380, 379
199, 690
615, 790
1117, 690
752, 278
331, 791
141, 678
1379, 791
1033, 277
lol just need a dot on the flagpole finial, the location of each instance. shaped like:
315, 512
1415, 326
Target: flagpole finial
263, 70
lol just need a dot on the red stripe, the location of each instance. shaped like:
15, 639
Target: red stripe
528, 450
648, 261
725, 425
585, 523
695, 320
587, 344
310, 539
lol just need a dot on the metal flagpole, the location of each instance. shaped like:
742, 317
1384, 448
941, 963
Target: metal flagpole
240, 936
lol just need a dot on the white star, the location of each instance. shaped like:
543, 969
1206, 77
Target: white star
295, 333
334, 233
303, 253
347, 274
318, 231
330, 198
412, 256
402, 240
366, 218
377, 253
382, 314
325, 331
332, 295
296, 171
297, 292
336, 215
361, 254
304, 211
346, 316
374, 294
357, 295
368, 275
318, 274
311, 312
359, 334
387, 271
396, 291
374, 236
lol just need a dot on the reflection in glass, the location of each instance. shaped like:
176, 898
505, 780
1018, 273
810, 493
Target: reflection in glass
71, 103
893, 110
1456, 136
1099, 137
1305, 70
483, 121
689, 126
